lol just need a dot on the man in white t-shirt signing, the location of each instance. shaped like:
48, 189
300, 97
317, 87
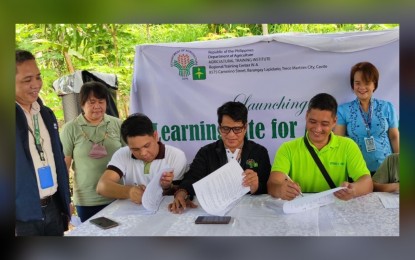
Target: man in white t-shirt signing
137, 163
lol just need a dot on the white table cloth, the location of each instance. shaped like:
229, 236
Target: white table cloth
257, 215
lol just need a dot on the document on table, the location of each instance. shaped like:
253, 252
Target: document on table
310, 201
389, 200
153, 194
221, 190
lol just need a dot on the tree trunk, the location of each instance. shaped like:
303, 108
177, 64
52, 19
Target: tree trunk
68, 62
148, 31
264, 29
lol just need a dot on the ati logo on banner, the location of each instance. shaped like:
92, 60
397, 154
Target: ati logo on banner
186, 63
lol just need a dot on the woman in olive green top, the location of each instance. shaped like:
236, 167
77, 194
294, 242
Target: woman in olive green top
89, 142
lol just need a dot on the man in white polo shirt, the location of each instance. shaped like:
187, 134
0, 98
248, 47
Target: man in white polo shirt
137, 163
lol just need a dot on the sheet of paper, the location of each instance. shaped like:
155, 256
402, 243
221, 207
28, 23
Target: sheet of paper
218, 192
389, 200
154, 192
310, 201
75, 221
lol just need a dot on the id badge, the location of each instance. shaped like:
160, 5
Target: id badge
45, 177
370, 144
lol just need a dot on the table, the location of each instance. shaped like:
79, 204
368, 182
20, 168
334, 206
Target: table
254, 215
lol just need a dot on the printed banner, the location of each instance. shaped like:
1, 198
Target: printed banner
181, 85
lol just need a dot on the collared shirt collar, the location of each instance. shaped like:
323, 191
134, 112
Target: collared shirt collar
34, 108
333, 142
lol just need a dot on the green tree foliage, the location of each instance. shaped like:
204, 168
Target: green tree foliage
110, 48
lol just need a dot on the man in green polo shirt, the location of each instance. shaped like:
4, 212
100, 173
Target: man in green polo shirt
294, 169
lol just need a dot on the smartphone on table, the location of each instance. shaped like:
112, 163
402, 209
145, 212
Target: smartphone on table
104, 223
213, 219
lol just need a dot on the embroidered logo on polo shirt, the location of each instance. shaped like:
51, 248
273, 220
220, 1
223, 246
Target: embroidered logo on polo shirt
251, 163
337, 163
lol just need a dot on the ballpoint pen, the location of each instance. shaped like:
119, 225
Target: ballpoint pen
289, 179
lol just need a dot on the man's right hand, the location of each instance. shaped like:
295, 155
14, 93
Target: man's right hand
281, 186
289, 190
136, 193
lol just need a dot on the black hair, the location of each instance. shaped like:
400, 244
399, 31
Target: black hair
369, 73
235, 110
23, 55
97, 89
136, 125
323, 101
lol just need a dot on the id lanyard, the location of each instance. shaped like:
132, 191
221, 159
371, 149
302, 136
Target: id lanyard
369, 140
44, 173
367, 122
36, 135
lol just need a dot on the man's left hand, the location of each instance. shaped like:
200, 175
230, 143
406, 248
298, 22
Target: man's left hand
250, 180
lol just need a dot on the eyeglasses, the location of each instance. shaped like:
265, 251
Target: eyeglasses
227, 129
